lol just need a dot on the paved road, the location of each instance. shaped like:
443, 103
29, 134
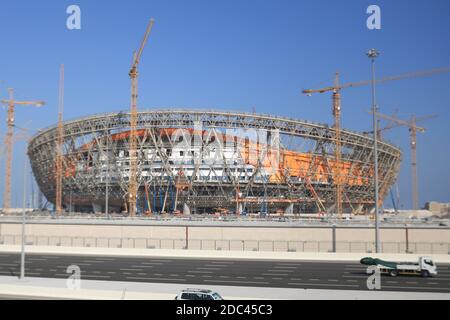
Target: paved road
251, 273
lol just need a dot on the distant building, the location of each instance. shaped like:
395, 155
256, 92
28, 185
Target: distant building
438, 208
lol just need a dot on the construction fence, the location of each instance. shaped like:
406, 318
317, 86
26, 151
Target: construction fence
229, 245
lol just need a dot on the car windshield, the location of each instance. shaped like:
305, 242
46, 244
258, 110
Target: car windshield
217, 296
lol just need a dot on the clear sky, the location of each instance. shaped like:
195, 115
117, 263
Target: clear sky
234, 54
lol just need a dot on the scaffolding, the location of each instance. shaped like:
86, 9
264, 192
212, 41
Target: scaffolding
173, 167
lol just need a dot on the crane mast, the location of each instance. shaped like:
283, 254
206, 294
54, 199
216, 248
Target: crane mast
133, 184
337, 151
59, 151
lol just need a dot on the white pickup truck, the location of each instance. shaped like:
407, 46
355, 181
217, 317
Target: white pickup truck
425, 267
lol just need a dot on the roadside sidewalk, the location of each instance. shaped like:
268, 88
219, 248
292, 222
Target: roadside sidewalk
46, 288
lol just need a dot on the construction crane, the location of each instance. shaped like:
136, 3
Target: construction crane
59, 142
11, 103
133, 187
336, 109
411, 124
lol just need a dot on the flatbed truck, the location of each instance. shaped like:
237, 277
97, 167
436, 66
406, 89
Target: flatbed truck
425, 267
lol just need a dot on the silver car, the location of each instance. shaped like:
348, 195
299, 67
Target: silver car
198, 294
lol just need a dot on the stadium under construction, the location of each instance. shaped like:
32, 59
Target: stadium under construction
199, 161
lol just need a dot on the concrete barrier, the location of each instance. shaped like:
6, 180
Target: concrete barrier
218, 254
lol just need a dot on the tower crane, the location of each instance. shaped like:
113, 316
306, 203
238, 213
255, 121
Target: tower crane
11, 103
133, 187
336, 109
413, 128
59, 142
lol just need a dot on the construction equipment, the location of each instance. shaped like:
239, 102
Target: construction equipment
413, 129
336, 88
133, 184
11, 103
59, 151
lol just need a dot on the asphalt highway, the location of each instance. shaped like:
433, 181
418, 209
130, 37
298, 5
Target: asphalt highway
201, 272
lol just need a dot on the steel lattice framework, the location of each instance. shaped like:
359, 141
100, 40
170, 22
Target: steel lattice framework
211, 160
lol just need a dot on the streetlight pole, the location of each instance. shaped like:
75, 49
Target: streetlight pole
372, 54
22, 254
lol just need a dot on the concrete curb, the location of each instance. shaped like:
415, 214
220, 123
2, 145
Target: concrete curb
211, 254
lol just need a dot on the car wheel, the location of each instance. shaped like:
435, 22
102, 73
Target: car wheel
425, 274
393, 273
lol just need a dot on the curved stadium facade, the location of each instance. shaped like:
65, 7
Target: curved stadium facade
202, 161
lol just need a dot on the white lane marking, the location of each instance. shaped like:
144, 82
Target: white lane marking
50, 257
190, 275
241, 277
296, 279
207, 276
284, 267
237, 281
111, 272
141, 274
322, 284
394, 282
195, 271
201, 268
161, 279
127, 273
314, 279
94, 276
52, 270
131, 269
142, 266
275, 274
97, 272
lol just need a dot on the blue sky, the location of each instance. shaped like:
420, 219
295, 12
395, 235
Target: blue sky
234, 55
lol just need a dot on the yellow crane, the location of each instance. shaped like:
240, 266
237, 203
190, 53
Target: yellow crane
11, 103
411, 124
59, 142
336, 109
133, 187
